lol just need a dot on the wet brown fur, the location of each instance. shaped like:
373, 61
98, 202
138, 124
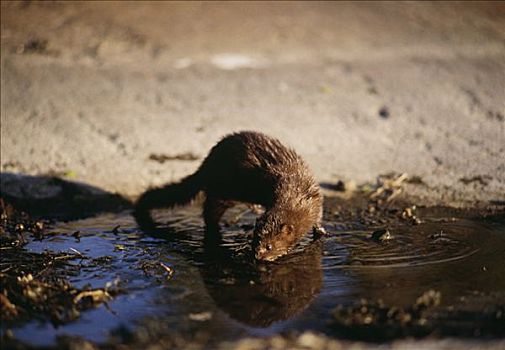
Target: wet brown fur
253, 168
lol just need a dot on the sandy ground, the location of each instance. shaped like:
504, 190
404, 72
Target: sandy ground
91, 90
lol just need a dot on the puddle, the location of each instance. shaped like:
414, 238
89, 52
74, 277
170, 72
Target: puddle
174, 285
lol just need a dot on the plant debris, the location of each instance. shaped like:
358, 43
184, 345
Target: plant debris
157, 269
376, 320
77, 235
119, 247
116, 230
34, 45
35, 285
340, 186
14, 224
409, 214
168, 269
483, 180
162, 158
388, 187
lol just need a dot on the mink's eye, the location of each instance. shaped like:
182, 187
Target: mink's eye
269, 247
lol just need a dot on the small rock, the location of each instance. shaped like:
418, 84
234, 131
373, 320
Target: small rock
382, 235
438, 235
311, 341
430, 298
407, 213
278, 342
201, 316
247, 344
384, 112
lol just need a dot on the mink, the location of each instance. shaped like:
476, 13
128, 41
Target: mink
249, 167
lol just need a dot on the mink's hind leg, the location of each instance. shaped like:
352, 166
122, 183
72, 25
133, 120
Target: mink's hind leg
213, 210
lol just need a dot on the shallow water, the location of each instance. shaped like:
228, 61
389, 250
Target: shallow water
218, 293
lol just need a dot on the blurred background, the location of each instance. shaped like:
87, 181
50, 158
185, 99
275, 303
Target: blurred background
123, 95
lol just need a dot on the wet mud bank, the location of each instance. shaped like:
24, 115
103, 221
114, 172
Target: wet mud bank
389, 271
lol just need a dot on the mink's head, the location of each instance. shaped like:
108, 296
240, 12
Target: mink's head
274, 236
296, 211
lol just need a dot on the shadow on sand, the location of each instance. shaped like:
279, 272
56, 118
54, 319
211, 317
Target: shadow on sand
56, 198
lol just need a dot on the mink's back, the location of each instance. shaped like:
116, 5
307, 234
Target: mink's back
250, 149
248, 166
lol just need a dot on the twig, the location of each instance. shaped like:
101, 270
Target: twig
168, 269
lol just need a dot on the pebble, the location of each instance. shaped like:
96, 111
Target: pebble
382, 235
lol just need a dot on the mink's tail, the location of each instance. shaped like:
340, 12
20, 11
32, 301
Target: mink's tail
167, 196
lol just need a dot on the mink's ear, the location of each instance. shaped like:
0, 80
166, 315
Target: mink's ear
287, 229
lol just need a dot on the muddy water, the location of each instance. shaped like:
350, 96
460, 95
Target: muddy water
212, 293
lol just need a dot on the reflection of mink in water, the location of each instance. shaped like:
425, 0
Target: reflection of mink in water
262, 294
253, 168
